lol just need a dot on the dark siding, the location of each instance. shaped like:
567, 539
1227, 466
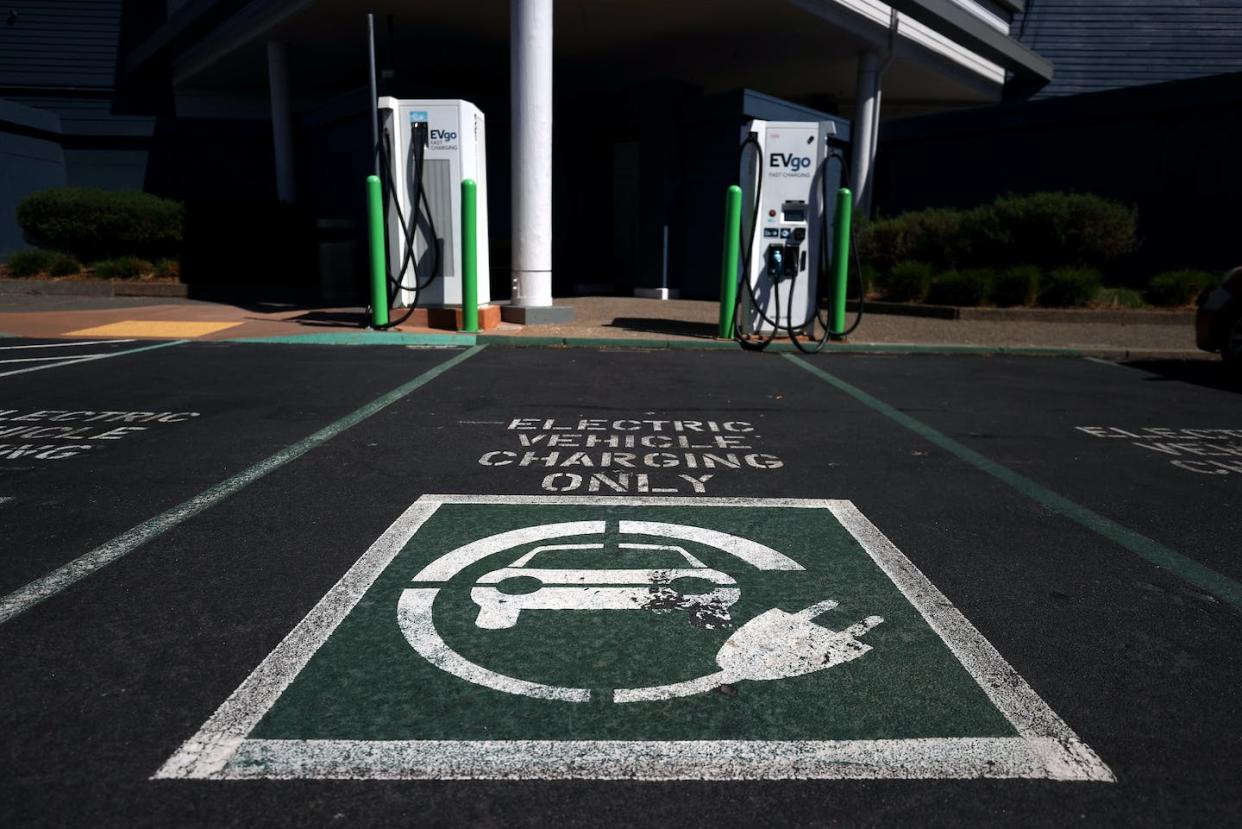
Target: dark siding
1169, 149
1109, 44
93, 116
61, 43
30, 159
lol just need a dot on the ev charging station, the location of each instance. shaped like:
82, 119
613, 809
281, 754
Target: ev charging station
429, 147
787, 220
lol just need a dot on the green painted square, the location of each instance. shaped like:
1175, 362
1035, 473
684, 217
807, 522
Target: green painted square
368, 683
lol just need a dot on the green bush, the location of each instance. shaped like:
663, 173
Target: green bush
123, 267
28, 262
1070, 287
1119, 298
933, 236
967, 288
99, 224
62, 264
880, 243
1016, 285
907, 282
1174, 288
1052, 229
1046, 229
168, 267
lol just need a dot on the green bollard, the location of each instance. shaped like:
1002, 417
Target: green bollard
379, 257
728, 268
841, 258
469, 256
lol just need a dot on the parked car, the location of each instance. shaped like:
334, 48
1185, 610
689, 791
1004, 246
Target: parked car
1218, 322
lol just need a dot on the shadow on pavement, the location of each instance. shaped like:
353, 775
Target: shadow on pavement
656, 325
1210, 373
334, 319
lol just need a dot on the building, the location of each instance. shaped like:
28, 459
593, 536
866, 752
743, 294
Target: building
255, 113
1145, 107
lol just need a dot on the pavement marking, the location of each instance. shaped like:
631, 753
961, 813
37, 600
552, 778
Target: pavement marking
1189, 570
1038, 744
49, 359
75, 344
154, 328
75, 360
26, 597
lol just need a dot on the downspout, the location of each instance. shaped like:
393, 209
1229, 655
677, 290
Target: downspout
894, 20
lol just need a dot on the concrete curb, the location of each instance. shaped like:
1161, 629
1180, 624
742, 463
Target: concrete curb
103, 288
399, 338
1073, 315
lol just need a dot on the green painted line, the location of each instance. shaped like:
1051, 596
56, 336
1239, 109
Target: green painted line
703, 345
362, 338
521, 342
26, 597
1217, 584
646, 344
929, 348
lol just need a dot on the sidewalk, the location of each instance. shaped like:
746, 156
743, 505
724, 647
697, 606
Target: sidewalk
675, 323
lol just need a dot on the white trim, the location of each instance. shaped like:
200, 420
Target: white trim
985, 14
870, 19
1046, 747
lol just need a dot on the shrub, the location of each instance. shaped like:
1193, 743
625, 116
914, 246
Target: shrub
1051, 229
122, 267
28, 262
168, 267
1046, 229
1070, 287
933, 236
98, 224
62, 264
963, 288
880, 243
1119, 298
1016, 285
907, 282
1173, 288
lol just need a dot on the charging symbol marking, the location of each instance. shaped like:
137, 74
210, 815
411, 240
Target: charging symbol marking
775, 644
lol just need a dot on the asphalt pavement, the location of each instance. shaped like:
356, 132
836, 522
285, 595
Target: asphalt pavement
269, 584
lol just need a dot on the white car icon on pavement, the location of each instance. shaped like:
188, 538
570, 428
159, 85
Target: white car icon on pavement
605, 589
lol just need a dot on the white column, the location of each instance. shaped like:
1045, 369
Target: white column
530, 86
866, 123
282, 119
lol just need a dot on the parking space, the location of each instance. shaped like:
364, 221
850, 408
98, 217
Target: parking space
513, 585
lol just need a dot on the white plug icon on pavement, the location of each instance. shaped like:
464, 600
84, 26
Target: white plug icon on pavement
776, 644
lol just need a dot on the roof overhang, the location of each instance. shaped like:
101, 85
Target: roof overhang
955, 22
942, 52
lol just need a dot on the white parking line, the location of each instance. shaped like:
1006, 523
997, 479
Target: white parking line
65, 345
66, 575
74, 360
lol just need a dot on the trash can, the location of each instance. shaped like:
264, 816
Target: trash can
338, 261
